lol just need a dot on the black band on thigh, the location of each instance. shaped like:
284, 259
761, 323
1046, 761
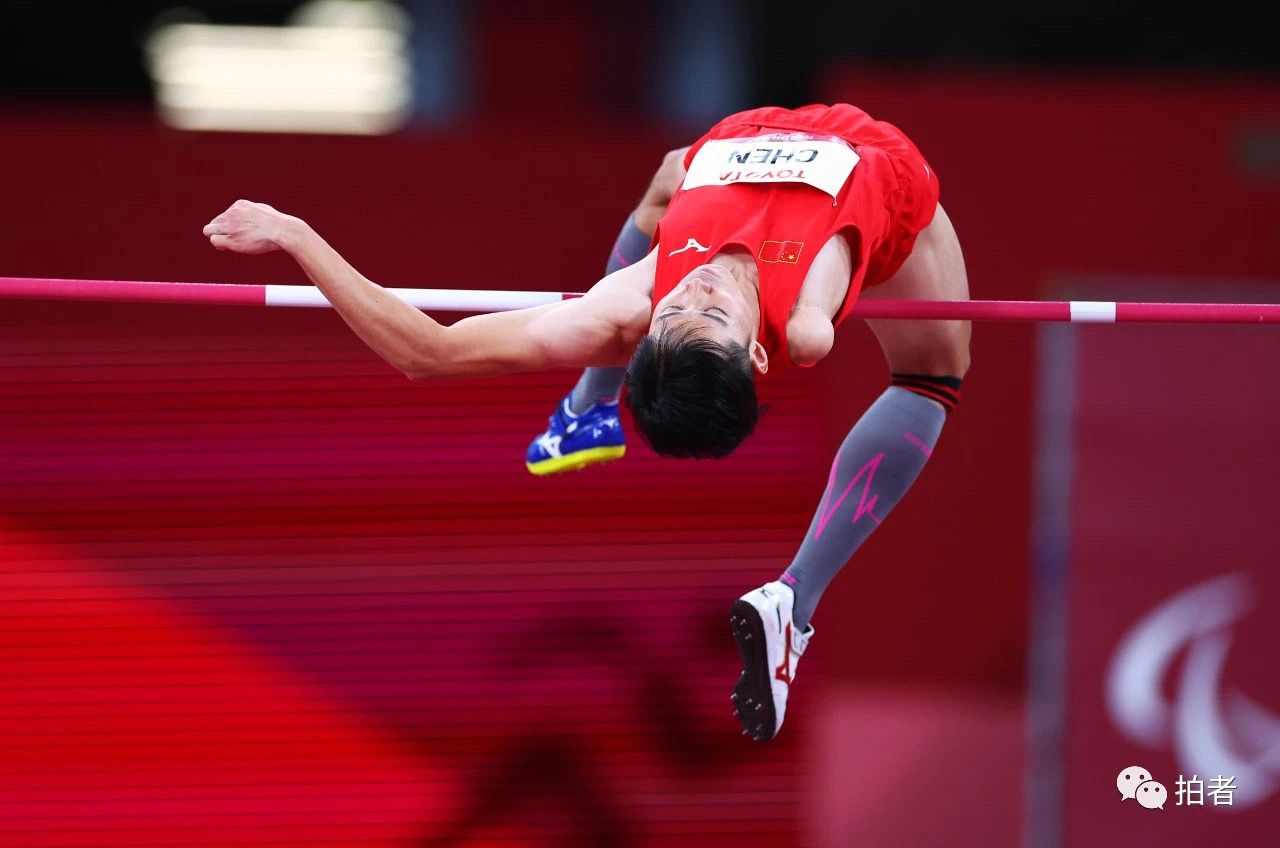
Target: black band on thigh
945, 390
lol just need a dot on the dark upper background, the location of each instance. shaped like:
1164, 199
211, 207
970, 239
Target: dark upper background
56, 47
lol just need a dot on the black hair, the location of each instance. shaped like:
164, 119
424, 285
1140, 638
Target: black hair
692, 397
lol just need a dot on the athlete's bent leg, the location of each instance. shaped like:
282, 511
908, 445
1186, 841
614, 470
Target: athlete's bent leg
876, 464
888, 447
602, 385
584, 429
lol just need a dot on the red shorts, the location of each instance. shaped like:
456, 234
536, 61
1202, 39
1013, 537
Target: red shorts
916, 200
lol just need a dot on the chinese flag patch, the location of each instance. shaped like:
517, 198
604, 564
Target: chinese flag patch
781, 251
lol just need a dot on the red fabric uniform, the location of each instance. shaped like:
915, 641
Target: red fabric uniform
887, 200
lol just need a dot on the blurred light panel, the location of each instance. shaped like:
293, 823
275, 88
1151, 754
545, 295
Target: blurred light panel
339, 66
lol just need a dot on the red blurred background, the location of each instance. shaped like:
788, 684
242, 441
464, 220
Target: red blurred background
260, 589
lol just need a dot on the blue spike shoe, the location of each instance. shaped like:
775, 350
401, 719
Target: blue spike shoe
572, 442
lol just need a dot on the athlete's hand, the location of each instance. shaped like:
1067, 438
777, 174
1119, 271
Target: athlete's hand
666, 182
248, 227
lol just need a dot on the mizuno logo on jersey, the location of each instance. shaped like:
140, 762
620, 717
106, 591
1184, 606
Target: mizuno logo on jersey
692, 245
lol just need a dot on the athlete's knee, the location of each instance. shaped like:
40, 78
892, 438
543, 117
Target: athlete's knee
955, 351
940, 348
666, 180
935, 364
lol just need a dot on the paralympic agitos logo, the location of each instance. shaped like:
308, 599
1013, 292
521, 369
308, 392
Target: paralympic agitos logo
1209, 729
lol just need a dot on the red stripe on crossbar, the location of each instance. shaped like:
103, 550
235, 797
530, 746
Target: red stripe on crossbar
133, 291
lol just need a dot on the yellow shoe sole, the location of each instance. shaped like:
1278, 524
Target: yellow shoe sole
575, 461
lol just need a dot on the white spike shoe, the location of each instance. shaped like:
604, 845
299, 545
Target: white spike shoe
770, 647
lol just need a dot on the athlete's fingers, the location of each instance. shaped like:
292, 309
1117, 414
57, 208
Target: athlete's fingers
220, 241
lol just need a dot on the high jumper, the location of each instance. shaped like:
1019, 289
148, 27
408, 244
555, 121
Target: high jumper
746, 252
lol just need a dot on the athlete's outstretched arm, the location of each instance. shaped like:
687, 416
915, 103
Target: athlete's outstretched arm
592, 330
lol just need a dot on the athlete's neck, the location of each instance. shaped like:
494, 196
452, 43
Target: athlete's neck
743, 269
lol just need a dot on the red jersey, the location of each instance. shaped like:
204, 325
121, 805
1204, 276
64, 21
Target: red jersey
887, 199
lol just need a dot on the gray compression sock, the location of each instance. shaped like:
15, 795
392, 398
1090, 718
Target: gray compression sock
602, 385
632, 246
878, 461
596, 385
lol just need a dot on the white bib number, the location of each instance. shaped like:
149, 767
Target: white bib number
824, 163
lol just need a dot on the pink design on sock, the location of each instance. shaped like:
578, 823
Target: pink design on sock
866, 501
618, 255
788, 579
918, 442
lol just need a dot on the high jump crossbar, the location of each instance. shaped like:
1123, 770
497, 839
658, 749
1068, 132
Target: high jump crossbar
463, 300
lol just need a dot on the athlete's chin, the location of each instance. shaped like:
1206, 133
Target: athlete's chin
711, 273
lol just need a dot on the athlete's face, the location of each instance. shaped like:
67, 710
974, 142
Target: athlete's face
712, 304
